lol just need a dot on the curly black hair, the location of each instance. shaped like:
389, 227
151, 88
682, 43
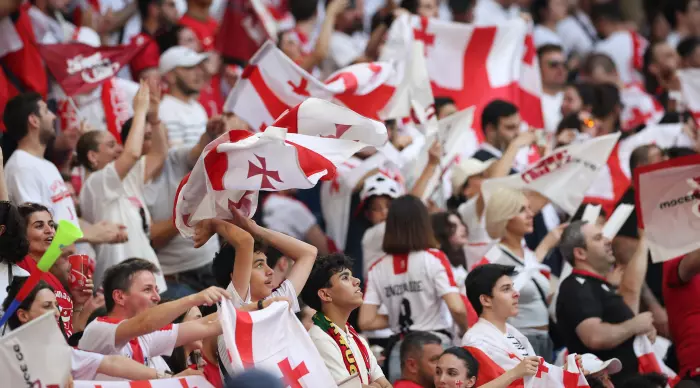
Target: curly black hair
324, 268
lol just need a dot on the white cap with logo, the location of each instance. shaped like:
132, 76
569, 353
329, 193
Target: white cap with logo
179, 56
592, 364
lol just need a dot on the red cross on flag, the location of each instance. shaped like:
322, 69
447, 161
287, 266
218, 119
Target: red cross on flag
474, 65
235, 166
668, 201
638, 107
246, 25
273, 83
178, 382
563, 176
275, 341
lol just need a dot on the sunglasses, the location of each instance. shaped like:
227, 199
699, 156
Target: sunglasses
555, 64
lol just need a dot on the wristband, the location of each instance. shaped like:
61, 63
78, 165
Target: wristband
260, 304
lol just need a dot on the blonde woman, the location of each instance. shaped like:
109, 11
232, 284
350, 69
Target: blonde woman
508, 219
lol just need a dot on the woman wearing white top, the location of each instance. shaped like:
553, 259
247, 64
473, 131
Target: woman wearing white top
509, 218
113, 189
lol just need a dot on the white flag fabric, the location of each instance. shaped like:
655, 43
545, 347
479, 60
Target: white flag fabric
638, 107
668, 203
181, 382
564, 176
24, 361
496, 354
275, 341
273, 83
649, 362
474, 65
690, 87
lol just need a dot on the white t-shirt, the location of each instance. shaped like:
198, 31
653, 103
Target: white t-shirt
372, 242
186, 121
130, 29
179, 254
286, 290
4, 277
479, 240
287, 215
411, 287
333, 358
577, 33
551, 110
32, 179
623, 47
100, 335
344, 49
84, 364
105, 197
489, 12
542, 35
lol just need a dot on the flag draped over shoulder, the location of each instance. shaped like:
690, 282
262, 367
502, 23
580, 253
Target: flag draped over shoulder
273, 340
181, 382
668, 201
273, 83
24, 360
305, 145
565, 175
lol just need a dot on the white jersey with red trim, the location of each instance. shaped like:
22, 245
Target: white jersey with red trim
411, 286
100, 335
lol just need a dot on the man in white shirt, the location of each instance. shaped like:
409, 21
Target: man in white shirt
348, 42
136, 326
185, 118
334, 293
31, 178
576, 31
490, 12
684, 16
553, 71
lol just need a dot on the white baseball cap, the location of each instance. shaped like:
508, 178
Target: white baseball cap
465, 169
179, 56
592, 364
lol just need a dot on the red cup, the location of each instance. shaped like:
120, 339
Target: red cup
81, 267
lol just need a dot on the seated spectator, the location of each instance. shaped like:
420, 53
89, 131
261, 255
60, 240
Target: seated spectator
84, 365
156, 17
420, 352
491, 291
140, 329
592, 315
114, 188
334, 293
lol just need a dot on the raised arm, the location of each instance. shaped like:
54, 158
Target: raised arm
433, 164
134, 142
162, 315
633, 276
598, 335
324, 37
689, 266
205, 327
126, 368
155, 158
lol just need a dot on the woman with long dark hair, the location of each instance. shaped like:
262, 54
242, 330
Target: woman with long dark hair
13, 246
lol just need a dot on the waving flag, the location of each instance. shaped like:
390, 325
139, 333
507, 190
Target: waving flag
79, 68
234, 167
246, 25
565, 175
24, 360
668, 200
181, 382
275, 341
273, 83
638, 107
475, 65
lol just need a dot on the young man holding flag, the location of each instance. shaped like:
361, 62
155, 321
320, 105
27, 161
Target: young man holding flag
334, 293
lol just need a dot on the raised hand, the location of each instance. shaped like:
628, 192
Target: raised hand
142, 99
209, 296
528, 366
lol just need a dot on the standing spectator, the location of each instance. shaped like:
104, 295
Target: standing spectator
490, 12
348, 43
689, 50
462, 10
156, 17
444, 106
577, 97
593, 316
121, 21
684, 16
334, 293
113, 189
577, 32
31, 178
181, 113
420, 352
422, 8
661, 62
187, 270
547, 14
553, 71
681, 288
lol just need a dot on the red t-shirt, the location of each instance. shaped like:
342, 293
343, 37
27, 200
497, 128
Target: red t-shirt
147, 58
406, 384
205, 31
65, 302
683, 308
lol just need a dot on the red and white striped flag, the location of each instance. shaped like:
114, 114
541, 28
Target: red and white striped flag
564, 176
246, 25
649, 362
496, 354
234, 167
273, 340
474, 65
273, 83
638, 107
668, 201
690, 87
181, 382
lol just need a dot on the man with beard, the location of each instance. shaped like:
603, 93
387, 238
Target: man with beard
185, 118
420, 352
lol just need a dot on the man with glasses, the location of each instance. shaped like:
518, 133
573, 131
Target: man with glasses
553, 72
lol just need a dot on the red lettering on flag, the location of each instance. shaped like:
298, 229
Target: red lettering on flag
302, 88
291, 377
254, 170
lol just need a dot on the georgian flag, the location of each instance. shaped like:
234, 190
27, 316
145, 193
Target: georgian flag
668, 200
304, 146
177, 382
650, 362
246, 25
273, 340
273, 83
614, 179
496, 354
564, 176
638, 107
474, 65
